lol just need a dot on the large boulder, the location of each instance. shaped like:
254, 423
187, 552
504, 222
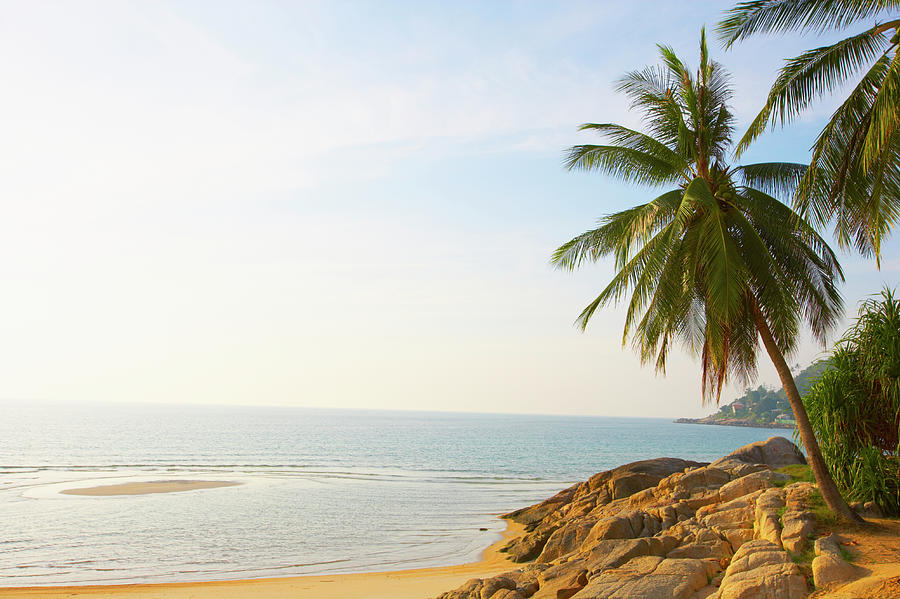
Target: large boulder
774, 452
650, 578
760, 569
745, 485
767, 522
829, 567
527, 547
602, 488
796, 529
531, 515
565, 540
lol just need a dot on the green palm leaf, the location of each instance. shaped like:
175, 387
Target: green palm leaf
779, 16
812, 75
851, 178
715, 265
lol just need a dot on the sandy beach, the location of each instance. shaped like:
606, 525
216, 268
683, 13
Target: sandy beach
401, 584
145, 488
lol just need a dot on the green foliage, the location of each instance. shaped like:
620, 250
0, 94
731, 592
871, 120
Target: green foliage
763, 405
705, 263
804, 557
848, 555
798, 473
854, 176
855, 407
823, 514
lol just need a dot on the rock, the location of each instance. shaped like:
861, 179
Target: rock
665, 529
649, 578
528, 589
756, 554
718, 551
739, 517
750, 483
565, 540
685, 484
490, 586
469, 590
829, 567
760, 569
827, 545
736, 468
561, 576
626, 480
872, 510
528, 547
615, 527
767, 523
535, 513
575, 584
775, 452
614, 553
705, 592
783, 581
797, 496
796, 529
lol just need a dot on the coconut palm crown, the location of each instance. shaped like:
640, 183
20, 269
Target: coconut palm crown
854, 174
715, 262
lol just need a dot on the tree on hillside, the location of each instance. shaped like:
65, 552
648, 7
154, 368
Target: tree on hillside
854, 175
715, 262
854, 408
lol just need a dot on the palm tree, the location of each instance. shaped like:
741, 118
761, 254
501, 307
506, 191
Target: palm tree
715, 262
854, 174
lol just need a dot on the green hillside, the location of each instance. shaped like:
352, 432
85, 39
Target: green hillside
762, 406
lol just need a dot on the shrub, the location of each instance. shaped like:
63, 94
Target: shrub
854, 408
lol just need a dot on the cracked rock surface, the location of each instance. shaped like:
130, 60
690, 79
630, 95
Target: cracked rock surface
664, 528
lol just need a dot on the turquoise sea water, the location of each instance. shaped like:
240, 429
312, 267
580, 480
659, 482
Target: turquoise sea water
323, 491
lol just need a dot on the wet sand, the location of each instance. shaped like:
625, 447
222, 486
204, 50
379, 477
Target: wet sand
144, 488
401, 584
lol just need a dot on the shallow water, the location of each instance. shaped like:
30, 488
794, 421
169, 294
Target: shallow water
323, 491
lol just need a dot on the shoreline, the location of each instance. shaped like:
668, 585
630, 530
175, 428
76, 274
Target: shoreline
734, 423
415, 583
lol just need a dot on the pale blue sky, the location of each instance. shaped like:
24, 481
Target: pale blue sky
347, 204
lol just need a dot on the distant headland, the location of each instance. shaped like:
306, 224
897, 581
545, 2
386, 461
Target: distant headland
762, 407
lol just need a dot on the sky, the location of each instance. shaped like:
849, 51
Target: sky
336, 204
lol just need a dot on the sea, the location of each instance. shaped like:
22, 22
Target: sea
321, 491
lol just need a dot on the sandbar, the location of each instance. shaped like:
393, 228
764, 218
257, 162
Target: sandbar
400, 584
154, 486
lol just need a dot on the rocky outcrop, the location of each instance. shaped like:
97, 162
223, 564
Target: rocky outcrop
829, 567
774, 452
664, 528
761, 569
563, 522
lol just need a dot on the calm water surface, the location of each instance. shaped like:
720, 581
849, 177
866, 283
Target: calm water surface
324, 491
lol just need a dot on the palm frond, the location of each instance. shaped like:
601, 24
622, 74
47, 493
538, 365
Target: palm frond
635, 140
812, 75
779, 16
774, 178
623, 163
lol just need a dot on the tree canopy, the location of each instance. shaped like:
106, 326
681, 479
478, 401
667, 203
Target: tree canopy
853, 178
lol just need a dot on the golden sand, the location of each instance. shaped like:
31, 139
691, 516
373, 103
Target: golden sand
157, 486
401, 584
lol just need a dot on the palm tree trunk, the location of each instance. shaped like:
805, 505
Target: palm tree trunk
826, 484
